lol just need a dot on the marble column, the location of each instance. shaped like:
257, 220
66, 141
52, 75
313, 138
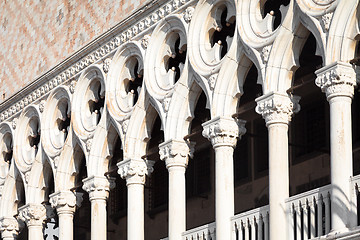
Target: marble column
9, 228
34, 216
175, 154
98, 189
223, 133
338, 80
277, 109
135, 171
65, 203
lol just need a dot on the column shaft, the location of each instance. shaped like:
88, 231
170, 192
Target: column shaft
66, 225
98, 219
35, 232
278, 179
340, 161
177, 202
135, 211
224, 191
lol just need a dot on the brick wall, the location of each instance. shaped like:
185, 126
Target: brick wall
35, 35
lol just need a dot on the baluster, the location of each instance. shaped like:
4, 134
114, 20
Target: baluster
240, 231
266, 226
253, 228
233, 230
212, 233
247, 228
320, 216
312, 218
260, 228
305, 221
327, 213
298, 222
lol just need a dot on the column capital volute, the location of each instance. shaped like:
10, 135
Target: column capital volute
223, 131
277, 107
337, 79
135, 170
33, 214
9, 227
65, 201
175, 152
98, 187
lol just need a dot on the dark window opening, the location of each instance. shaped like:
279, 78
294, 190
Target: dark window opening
224, 33
8, 150
63, 122
96, 105
198, 171
252, 90
177, 60
117, 202
135, 82
261, 147
309, 62
273, 8
356, 132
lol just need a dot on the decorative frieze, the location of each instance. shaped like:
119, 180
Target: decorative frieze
337, 79
224, 131
135, 170
176, 152
98, 187
277, 107
32, 214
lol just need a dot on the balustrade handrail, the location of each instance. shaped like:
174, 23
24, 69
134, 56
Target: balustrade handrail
314, 192
260, 210
204, 229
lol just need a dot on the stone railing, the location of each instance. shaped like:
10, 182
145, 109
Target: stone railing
251, 225
309, 214
205, 232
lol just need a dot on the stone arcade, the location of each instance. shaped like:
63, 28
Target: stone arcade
184, 122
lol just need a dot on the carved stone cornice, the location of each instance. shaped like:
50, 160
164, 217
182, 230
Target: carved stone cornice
337, 79
135, 170
33, 214
98, 187
223, 131
9, 227
277, 107
175, 152
65, 201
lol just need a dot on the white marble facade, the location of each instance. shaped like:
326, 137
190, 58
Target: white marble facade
157, 66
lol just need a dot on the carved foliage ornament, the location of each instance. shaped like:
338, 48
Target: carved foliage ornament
65, 201
134, 170
98, 187
337, 79
277, 107
32, 214
223, 131
175, 152
9, 224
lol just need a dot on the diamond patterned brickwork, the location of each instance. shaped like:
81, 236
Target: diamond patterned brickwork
36, 35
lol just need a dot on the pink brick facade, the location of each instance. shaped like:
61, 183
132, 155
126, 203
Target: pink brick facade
36, 35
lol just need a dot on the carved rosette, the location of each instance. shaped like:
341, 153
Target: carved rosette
223, 131
98, 187
65, 201
277, 107
337, 79
32, 214
9, 227
175, 153
135, 170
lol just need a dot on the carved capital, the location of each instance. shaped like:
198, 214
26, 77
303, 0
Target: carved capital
65, 201
223, 131
277, 107
9, 227
33, 214
337, 79
135, 170
175, 152
98, 187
